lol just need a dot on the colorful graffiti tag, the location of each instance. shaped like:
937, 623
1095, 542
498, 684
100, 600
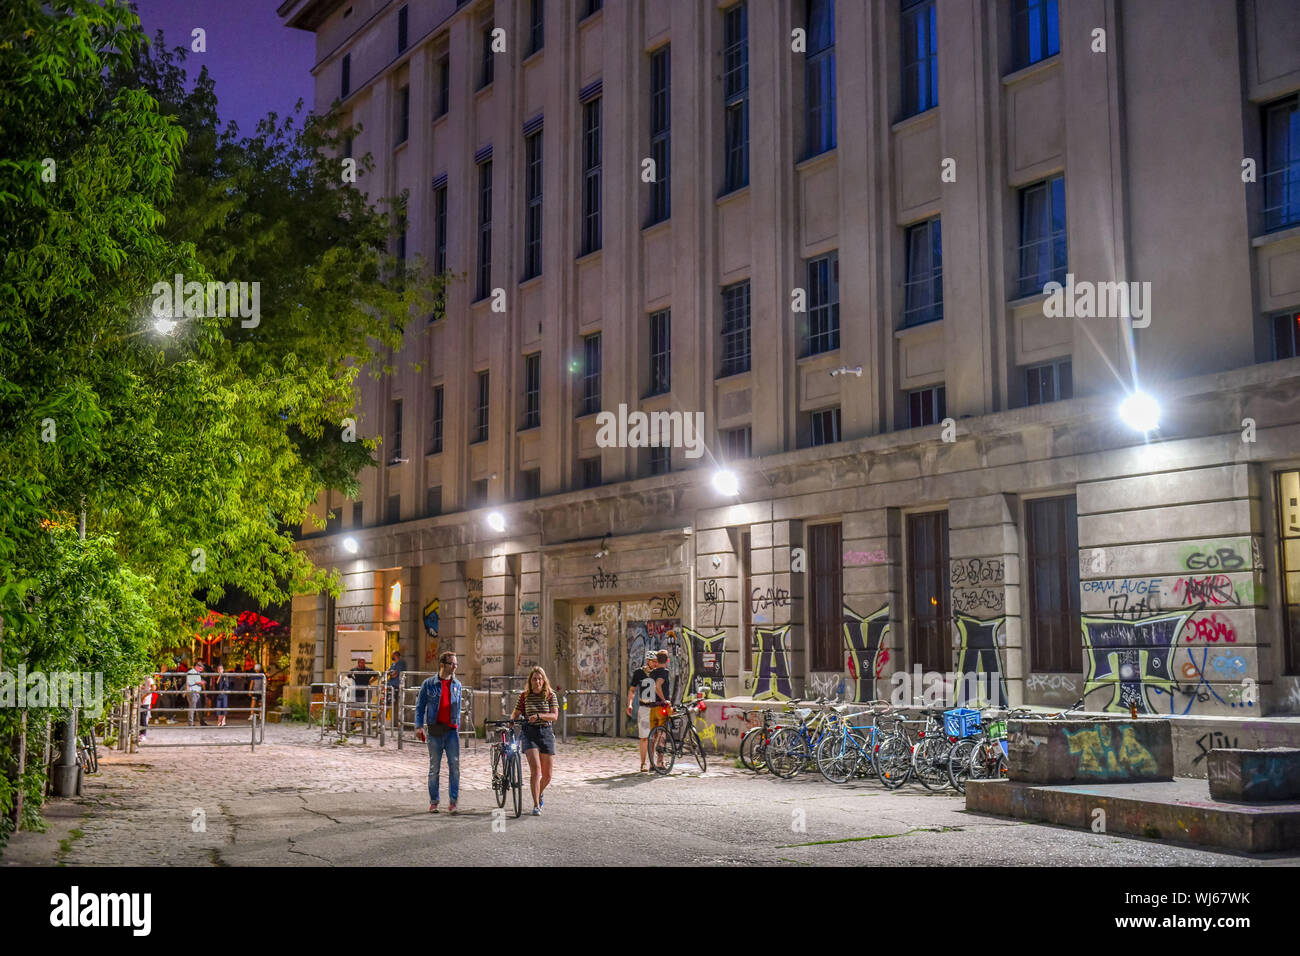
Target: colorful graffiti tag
431, 617
1133, 659
978, 654
1109, 750
864, 637
772, 664
705, 659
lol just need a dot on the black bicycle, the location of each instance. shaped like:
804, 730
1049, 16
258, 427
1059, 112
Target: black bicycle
507, 770
87, 751
677, 737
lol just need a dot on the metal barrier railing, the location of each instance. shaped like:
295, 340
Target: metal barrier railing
195, 697
612, 715
349, 709
502, 688
408, 696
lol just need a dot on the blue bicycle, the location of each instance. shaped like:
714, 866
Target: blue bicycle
794, 747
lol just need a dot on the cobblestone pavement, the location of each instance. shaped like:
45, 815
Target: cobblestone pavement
299, 799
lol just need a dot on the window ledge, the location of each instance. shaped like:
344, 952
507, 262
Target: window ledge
531, 281
733, 376
656, 227
733, 196
815, 160
587, 257
1279, 235
811, 357
908, 331
484, 90
1024, 301
437, 120
402, 145
922, 118
1032, 70
533, 56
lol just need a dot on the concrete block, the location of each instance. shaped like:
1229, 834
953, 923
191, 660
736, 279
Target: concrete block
1093, 751
1255, 775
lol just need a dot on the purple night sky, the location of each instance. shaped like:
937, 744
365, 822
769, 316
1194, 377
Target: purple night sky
258, 64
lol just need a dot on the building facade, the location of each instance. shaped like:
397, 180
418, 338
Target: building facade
831, 229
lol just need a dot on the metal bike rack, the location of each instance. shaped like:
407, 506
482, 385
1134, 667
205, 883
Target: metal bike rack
611, 715
341, 709
408, 696
256, 712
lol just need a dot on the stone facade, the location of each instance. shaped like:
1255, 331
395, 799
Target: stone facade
1182, 562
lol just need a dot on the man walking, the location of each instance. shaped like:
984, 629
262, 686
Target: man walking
394, 680
641, 695
437, 711
661, 681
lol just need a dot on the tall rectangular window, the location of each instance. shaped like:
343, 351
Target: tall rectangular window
735, 97
395, 432
926, 406
532, 390
1282, 164
661, 352
823, 304
1036, 28
435, 431
660, 135
444, 86
403, 114
920, 57
358, 514
928, 620
661, 460
481, 409
533, 205
825, 598
433, 501
1052, 553
923, 292
1288, 505
440, 230
402, 23
478, 493
590, 404
487, 64
1286, 335
735, 443
1042, 235
591, 176
1049, 382
819, 77
484, 285
735, 329
590, 472
345, 79
536, 26
824, 426
393, 510
530, 484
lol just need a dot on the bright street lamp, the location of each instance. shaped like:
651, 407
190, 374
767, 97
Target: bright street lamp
1140, 411
726, 483
496, 521
350, 545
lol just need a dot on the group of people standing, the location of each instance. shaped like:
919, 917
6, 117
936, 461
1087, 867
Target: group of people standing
189, 686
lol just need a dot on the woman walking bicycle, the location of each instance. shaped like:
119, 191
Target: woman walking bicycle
540, 708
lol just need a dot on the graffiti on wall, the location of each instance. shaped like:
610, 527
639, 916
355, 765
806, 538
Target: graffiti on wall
704, 664
715, 599
977, 586
828, 686
1133, 659
771, 680
978, 655
865, 636
644, 637
1110, 750
590, 638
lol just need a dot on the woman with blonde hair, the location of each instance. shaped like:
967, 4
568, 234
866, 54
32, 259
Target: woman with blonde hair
540, 708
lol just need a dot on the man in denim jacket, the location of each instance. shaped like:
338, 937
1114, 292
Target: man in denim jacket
438, 710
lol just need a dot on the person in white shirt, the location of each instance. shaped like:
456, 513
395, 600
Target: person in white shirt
193, 689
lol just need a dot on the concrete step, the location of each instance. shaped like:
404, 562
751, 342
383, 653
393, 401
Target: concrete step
1179, 810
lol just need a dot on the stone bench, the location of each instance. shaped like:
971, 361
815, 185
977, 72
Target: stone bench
1093, 750
1254, 775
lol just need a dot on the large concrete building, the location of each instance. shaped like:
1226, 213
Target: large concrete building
827, 226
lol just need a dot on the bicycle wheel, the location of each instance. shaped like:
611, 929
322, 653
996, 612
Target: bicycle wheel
893, 759
92, 752
866, 758
751, 750
959, 762
662, 751
837, 758
986, 761
930, 761
786, 753
517, 782
500, 779
692, 744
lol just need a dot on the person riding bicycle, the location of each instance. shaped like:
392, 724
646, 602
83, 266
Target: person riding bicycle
438, 709
539, 705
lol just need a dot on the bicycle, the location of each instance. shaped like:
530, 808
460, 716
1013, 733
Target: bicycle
87, 751
677, 737
848, 750
930, 753
894, 754
987, 757
753, 745
507, 769
793, 748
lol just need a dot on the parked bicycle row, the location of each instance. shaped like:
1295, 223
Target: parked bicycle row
939, 748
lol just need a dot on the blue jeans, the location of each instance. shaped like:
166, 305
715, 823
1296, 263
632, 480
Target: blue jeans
448, 743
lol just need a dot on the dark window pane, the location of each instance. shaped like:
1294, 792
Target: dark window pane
1052, 552
825, 598
929, 622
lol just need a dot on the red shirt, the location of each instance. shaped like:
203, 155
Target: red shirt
444, 705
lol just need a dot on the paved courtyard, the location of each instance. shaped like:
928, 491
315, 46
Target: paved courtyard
299, 799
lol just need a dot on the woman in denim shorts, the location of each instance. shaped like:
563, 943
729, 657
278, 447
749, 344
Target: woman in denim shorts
540, 707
